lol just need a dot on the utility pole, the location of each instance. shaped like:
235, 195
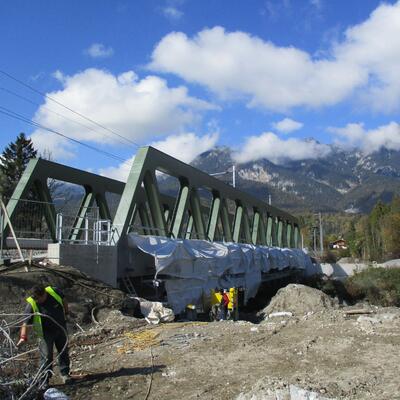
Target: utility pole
321, 235
315, 237
226, 172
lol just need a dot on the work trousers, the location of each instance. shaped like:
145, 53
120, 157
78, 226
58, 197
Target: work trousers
46, 345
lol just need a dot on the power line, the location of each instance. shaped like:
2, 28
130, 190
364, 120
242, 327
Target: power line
12, 114
54, 112
66, 107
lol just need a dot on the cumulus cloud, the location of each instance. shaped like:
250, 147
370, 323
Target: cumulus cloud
137, 109
98, 50
355, 135
185, 147
287, 125
279, 151
365, 63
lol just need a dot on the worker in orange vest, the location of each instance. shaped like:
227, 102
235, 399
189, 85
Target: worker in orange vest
50, 331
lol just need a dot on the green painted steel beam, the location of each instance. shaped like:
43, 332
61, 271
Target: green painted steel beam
261, 236
79, 223
213, 220
130, 195
274, 231
197, 214
150, 159
246, 226
145, 220
43, 192
295, 242
284, 233
289, 235
226, 222
180, 211
36, 174
142, 189
154, 201
237, 224
255, 231
189, 229
268, 235
280, 233
104, 210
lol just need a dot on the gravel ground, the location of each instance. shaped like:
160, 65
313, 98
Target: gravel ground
327, 351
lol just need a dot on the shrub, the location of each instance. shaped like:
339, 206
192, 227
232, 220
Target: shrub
329, 257
379, 286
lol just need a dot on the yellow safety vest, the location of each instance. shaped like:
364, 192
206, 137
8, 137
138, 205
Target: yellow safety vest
37, 319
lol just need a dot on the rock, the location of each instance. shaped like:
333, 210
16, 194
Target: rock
273, 390
54, 394
280, 314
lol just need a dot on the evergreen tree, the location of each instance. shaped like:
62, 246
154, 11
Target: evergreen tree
13, 162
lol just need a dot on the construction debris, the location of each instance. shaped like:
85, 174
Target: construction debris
155, 312
298, 300
54, 394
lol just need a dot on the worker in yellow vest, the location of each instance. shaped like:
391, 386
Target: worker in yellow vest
50, 331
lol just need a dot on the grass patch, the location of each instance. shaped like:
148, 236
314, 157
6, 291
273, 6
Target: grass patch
379, 286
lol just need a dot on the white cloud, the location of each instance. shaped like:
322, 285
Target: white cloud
287, 125
137, 109
172, 13
279, 151
98, 50
120, 172
316, 3
356, 136
365, 63
185, 147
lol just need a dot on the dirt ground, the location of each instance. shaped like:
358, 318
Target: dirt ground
316, 346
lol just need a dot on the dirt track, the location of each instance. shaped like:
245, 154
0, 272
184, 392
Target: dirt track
353, 357
326, 353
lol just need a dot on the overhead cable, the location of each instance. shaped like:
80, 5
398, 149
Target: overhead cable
12, 114
56, 113
66, 107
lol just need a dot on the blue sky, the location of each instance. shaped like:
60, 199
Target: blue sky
259, 76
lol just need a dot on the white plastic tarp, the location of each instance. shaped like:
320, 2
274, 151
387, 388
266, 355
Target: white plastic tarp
154, 312
194, 267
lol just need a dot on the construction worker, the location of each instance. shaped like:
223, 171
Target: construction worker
221, 310
48, 301
224, 303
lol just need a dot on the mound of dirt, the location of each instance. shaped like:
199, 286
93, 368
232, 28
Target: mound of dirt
298, 300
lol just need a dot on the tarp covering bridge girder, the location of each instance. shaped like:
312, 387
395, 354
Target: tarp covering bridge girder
193, 267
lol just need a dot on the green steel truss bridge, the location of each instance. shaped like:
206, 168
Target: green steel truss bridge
223, 214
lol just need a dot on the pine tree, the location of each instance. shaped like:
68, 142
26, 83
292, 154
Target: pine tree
13, 162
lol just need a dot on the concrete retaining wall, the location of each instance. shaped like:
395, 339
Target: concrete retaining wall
100, 262
338, 270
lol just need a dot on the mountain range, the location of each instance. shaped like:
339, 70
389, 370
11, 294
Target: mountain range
343, 181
